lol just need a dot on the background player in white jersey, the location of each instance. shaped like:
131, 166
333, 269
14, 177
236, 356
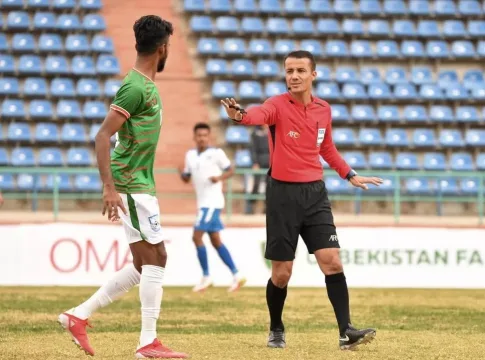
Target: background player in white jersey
208, 167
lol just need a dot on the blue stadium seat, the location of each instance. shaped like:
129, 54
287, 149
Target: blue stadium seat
378, 27
461, 162
380, 160
9, 86
46, 132
78, 157
424, 138
343, 136
93, 131
354, 91
35, 87
223, 89
476, 28
41, 109
252, 25
352, 27
370, 7
68, 22
27, 182
419, 7
94, 110
388, 113
441, 114
3, 40
277, 26
336, 185
469, 186
430, 92
111, 87
478, 92
44, 21
76, 43
250, 90
107, 65
475, 137
294, 7
336, 48
447, 78
403, 28
63, 4
94, 22
421, 75
340, 113
396, 137
361, 49
469, 7
407, 161
22, 156
346, 74
370, 75
217, 67
208, 46
328, 90
13, 109
434, 161
481, 49
102, 44
273, 88
284, 46
219, 6
90, 5
456, 92
18, 20
451, 138
87, 183
320, 7
437, 49
395, 7
12, 4
412, 49
201, 24
267, 68
344, 7
313, 46
444, 8
405, 91
83, 65
396, 75
463, 49
7, 64
73, 133
328, 27
242, 158
415, 113
417, 186
68, 109
19, 132
480, 161
242, 67
237, 135
428, 28
363, 113
57, 65
62, 87
4, 161
370, 137
448, 186
234, 46
387, 49
23, 43
472, 77
270, 7
245, 6
303, 26
63, 182
379, 91
50, 157
88, 88
50, 43
323, 73
355, 159
467, 114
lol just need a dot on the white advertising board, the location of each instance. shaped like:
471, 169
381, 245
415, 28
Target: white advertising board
77, 254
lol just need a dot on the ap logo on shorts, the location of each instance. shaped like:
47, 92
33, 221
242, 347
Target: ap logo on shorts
154, 222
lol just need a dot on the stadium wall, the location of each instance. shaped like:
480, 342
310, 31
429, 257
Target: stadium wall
386, 257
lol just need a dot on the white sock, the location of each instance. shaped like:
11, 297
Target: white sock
151, 292
118, 285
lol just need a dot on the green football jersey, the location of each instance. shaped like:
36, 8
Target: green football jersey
136, 142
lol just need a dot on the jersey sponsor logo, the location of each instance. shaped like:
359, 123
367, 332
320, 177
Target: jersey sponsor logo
293, 134
154, 221
320, 136
333, 238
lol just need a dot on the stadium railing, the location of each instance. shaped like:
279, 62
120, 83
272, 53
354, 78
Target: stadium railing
397, 194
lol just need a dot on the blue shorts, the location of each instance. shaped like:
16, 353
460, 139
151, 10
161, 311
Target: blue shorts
209, 220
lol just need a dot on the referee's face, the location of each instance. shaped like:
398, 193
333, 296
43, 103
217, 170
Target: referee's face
299, 75
202, 138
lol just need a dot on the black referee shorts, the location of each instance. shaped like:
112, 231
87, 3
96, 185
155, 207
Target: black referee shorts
294, 209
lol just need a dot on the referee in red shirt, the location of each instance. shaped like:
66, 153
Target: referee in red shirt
300, 127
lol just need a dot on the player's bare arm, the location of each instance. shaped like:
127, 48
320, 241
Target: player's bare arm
111, 199
184, 176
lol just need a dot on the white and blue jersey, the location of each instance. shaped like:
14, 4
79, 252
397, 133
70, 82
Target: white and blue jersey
210, 197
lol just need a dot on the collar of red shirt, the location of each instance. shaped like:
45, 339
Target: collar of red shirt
299, 104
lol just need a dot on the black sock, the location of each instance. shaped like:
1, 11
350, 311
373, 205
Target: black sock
339, 297
275, 298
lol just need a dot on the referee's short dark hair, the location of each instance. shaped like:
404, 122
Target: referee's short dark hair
302, 54
201, 125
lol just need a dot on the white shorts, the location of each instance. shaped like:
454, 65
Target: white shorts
143, 219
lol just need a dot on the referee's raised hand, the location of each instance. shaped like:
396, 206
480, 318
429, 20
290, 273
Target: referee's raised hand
232, 109
361, 181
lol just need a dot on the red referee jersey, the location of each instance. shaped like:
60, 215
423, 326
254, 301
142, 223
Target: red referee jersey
298, 134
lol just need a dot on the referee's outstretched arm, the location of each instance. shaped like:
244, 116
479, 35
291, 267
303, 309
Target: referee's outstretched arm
257, 115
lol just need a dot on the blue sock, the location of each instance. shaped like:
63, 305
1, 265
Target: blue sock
202, 255
226, 257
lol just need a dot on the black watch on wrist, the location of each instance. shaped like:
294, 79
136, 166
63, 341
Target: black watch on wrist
351, 174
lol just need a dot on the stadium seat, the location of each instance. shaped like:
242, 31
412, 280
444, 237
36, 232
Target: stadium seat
312, 46
437, 49
35, 87
217, 67
434, 161
90, 5
250, 90
73, 133
227, 25
354, 91
463, 49
274, 88
336, 48
336, 185
421, 75
417, 186
328, 90
344, 7
415, 113
62, 87
387, 49
355, 159
201, 24
57, 65
369, 7
235, 46
208, 46
242, 158
284, 46
370, 137
328, 27
296, 7
22, 156
396, 137
237, 135
444, 8
378, 27
220, 6
252, 25
63, 4
396, 75
93, 131
361, 49
469, 186
380, 160
303, 26
473, 77
388, 113
94, 110
346, 74
3, 40
343, 136
320, 7
405, 92
352, 27
23, 43
412, 49
46, 132
84, 65
45, 21
428, 29
447, 78
369, 75
245, 6
454, 29
277, 26
451, 138
469, 7
50, 157
68, 109
270, 7
27, 182
424, 138
395, 7
87, 183
430, 92
456, 92
88, 88
441, 114
407, 161
7, 64
223, 89
50, 43
480, 161
340, 113
102, 44
18, 131
461, 162
12, 4
478, 92
467, 114
111, 87
476, 28
403, 28
13, 109
419, 7
379, 91
4, 161
41, 109
475, 137
18, 20
448, 186
94, 22
363, 113
268, 68
323, 73
481, 49
78, 157
63, 182
9, 86
68, 23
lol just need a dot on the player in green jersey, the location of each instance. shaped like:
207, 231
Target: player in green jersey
135, 117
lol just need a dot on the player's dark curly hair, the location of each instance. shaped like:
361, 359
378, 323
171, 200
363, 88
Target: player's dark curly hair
151, 31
